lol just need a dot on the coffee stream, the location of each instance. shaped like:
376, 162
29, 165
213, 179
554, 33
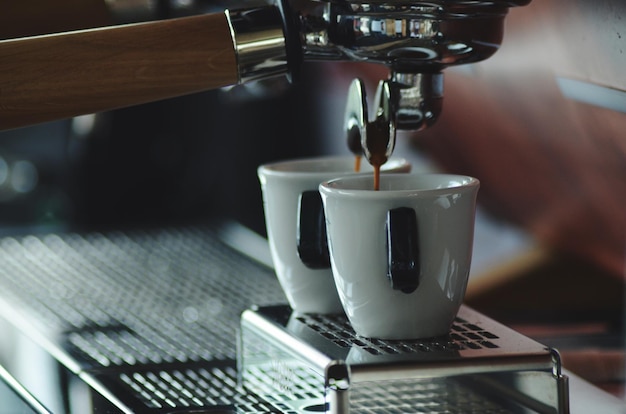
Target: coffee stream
377, 152
357, 163
373, 140
377, 146
357, 168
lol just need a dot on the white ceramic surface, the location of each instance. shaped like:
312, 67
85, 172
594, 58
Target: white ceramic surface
356, 218
307, 290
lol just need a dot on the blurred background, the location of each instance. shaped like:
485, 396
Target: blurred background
542, 124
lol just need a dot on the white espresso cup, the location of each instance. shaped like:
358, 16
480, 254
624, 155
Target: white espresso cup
296, 229
401, 256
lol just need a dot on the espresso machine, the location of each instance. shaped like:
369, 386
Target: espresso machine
189, 47
190, 319
416, 40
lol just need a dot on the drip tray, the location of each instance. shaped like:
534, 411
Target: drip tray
316, 363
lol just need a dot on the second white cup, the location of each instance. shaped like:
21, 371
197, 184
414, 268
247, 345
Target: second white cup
296, 229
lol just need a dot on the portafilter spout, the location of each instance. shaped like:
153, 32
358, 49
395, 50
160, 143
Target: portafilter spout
416, 40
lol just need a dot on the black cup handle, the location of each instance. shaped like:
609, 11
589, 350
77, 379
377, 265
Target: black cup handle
403, 254
312, 244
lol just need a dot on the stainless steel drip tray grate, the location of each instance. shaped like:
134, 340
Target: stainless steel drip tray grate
184, 388
480, 367
463, 335
148, 318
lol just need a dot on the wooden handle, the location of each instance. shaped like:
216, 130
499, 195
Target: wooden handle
50, 77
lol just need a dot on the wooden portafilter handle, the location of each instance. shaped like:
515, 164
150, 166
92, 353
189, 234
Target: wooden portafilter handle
57, 76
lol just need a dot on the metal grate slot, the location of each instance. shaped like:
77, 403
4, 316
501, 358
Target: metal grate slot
193, 388
143, 297
289, 387
463, 335
438, 396
151, 315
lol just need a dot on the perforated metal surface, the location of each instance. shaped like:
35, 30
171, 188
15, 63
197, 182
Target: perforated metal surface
463, 335
433, 396
210, 386
298, 390
294, 388
126, 299
468, 371
152, 317
153, 312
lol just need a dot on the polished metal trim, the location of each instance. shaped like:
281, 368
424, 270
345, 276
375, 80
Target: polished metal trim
231, 29
21, 392
302, 351
442, 369
417, 99
509, 366
259, 42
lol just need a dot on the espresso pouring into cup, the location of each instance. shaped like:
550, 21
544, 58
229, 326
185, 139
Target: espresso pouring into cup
296, 226
400, 256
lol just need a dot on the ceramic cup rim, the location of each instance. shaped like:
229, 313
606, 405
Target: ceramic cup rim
414, 185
